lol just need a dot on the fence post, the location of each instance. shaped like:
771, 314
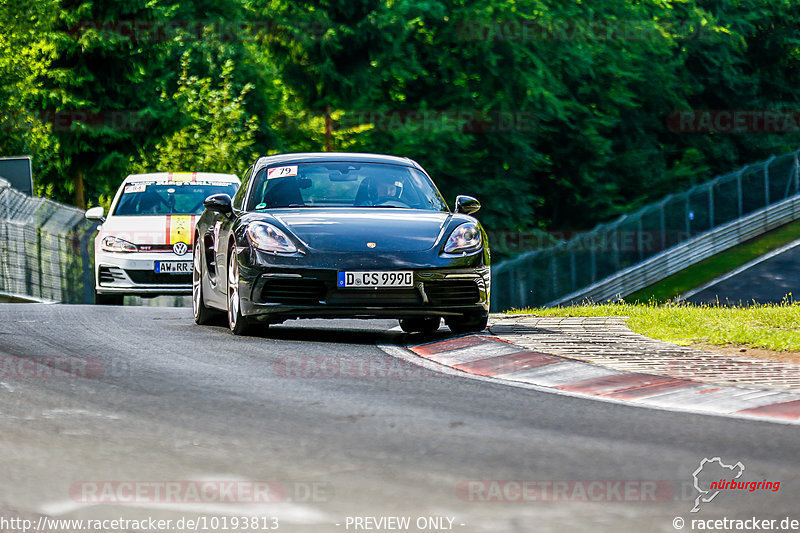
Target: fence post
796, 174
688, 221
41, 292
739, 191
512, 282
711, 206
766, 180
640, 238
573, 275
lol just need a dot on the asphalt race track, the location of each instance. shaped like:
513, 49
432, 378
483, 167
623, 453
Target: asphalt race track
769, 281
152, 397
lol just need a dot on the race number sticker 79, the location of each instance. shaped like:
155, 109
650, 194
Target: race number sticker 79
280, 172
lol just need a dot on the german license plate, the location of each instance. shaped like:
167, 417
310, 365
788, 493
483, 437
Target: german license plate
349, 280
173, 267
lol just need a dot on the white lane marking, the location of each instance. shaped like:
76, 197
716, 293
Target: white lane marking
409, 356
60, 413
287, 512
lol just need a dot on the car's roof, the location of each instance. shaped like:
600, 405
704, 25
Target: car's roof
334, 156
181, 176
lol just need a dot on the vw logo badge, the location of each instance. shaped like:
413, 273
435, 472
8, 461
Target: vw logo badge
180, 248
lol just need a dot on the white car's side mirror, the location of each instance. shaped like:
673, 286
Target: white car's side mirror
97, 214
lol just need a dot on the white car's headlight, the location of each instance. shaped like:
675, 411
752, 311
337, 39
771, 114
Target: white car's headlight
268, 238
115, 244
465, 238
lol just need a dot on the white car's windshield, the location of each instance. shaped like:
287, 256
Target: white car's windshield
169, 197
343, 185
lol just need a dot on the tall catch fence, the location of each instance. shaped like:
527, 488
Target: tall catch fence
46, 249
635, 250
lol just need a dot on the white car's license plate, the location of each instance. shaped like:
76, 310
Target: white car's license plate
349, 280
173, 267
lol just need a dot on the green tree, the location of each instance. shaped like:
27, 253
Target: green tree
216, 135
26, 54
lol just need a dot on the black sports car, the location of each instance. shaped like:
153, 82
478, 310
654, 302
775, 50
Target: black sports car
340, 235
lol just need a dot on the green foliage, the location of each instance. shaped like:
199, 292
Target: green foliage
556, 115
217, 134
26, 54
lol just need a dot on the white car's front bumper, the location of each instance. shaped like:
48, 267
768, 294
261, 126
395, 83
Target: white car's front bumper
134, 273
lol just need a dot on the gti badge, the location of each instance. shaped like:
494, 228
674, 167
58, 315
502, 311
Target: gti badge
180, 248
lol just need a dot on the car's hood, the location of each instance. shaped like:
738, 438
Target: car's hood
162, 229
358, 230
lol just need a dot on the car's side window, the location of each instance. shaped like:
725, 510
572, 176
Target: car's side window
238, 198
259, 185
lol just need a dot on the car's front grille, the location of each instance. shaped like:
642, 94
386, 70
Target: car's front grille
159, 248
151, 277
110, 274
374, 297
452, 292
293, 291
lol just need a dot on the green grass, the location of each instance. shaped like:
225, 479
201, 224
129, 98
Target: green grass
715, 266
771, 326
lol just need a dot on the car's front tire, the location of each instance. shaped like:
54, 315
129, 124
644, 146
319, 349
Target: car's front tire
425, 325
467, 323
238, 323
202, 313
108, 299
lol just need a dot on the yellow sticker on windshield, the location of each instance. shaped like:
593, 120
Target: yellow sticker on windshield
182, 176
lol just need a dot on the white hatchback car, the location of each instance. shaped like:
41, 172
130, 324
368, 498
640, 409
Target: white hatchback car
144, 245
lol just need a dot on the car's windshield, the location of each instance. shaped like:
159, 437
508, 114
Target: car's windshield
343, 184
169, 197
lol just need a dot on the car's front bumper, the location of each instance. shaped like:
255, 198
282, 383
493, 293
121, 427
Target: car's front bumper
278, 294
134, 273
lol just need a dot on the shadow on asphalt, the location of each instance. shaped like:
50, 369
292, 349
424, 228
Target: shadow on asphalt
349, 335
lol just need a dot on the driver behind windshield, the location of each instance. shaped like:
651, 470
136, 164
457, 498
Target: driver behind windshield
380, 189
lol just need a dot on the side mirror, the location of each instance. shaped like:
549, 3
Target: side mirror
96, 214
467, 204
221, 203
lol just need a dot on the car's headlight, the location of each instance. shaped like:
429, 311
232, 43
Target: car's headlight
115, 244
269, 238
465, 238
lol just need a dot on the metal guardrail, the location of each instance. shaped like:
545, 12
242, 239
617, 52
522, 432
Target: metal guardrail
690, 252
614, 259
45, 249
